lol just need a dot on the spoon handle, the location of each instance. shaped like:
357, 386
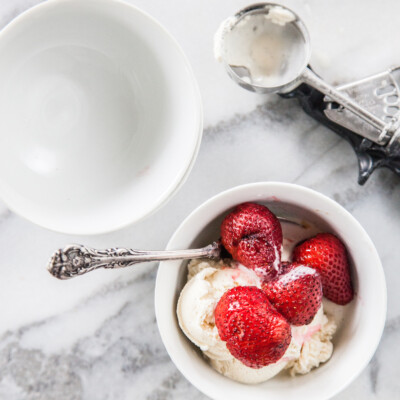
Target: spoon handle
75, 260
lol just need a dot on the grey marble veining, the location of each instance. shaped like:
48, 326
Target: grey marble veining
96, 337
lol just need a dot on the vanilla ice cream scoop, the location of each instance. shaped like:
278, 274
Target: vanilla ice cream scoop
208, 281
236, 370
315, 343
310, 345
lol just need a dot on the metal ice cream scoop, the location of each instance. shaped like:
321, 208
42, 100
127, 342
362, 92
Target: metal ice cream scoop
266, 49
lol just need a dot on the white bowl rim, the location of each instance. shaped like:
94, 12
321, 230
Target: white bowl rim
185, 170
162, 270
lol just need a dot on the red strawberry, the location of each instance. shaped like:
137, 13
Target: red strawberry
296, 293
327, 254
253, 235
255, 333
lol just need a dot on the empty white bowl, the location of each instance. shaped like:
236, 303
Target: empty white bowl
354, 343
101, 116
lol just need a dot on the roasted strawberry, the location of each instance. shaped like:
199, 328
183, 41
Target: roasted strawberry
327, 254
253, 235
296, 293
255, 333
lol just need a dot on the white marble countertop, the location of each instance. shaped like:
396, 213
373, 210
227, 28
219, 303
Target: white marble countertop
96, 337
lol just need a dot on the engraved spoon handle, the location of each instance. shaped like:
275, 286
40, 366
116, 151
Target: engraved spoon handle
75, 260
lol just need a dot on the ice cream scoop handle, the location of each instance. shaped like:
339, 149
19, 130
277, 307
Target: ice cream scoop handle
75, 260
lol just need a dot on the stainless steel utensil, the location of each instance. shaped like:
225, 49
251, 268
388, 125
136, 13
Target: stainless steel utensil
365, 112
290, 77
75, 259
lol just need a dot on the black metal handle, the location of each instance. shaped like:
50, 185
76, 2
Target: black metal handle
370, 155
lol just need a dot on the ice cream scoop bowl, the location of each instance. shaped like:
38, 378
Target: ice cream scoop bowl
266, 48
354, 342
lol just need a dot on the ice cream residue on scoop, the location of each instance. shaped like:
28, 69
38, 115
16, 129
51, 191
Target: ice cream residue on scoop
279, 15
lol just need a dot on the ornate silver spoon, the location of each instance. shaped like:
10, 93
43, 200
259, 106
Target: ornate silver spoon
75, 259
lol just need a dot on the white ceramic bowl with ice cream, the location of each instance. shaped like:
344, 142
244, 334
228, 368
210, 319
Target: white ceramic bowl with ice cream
359, 324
